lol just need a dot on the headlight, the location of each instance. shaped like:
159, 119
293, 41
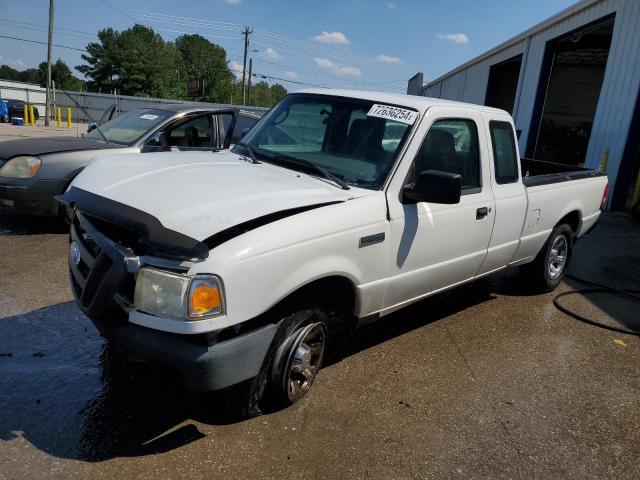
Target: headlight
181, 297
20, 167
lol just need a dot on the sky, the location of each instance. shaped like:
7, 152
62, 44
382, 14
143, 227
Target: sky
364, 44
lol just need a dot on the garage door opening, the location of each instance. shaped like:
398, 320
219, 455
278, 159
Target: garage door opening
578, 63
503, 84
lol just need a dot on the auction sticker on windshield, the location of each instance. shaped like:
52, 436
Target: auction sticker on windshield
148, 116
393, 113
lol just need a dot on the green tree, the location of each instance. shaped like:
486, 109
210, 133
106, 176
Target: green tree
203, 60
136, 61
61, 75
265, 95
103, 61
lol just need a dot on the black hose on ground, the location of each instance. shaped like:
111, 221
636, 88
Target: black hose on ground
594, 287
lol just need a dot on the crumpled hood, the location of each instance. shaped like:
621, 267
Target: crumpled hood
40, 146
199, 194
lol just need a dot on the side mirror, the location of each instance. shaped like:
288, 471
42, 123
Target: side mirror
92, 126
433, 186
159, 139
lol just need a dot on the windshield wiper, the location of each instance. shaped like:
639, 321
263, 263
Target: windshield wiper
249, 149
300, 161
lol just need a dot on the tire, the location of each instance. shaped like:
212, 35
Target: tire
289, 360
547, 270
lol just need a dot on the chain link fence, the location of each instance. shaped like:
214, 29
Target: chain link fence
95, 104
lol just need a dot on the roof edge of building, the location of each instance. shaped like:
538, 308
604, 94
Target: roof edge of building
558, 17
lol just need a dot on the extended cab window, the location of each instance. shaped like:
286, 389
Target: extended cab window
451, 145
505, 158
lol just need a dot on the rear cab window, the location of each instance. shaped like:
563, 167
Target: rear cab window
505, 156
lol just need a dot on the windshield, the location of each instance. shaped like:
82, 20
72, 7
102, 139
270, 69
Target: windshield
355, 140
129, 127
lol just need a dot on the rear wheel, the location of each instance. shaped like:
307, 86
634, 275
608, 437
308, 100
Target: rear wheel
548, 269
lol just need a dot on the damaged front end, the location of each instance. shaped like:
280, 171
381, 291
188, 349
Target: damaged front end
109, 244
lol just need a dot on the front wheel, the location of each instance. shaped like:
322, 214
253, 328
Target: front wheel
549, 267
290, 366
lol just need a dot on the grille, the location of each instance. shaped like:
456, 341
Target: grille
100, 275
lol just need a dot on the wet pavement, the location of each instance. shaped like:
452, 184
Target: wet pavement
483, 381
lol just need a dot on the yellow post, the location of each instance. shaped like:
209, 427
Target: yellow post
68, 117
58, 117
33, 117
604, 160
25, 117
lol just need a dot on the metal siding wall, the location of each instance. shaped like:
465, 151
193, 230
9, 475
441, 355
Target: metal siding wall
453, 87
535, 58
478, 78
476, 83
432, 91
619, 91
470, 85
620, 87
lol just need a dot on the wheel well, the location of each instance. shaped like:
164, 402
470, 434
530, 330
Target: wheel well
333, 291
572, 219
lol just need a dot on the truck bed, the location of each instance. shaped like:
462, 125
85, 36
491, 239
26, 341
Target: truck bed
539, 172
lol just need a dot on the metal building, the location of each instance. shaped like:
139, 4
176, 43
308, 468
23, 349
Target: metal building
572, 84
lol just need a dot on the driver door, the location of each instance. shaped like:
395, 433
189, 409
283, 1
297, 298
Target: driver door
436, 246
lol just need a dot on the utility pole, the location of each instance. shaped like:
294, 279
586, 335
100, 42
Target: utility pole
246, 33
47, 109
249, 82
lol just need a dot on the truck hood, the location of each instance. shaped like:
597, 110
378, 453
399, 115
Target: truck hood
200, 194
43, 146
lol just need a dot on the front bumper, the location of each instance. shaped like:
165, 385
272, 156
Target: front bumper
202, 367
102, 287
30, 196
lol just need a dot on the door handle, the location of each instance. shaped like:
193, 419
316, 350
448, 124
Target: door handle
482, 212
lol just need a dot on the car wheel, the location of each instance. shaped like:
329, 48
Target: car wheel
290, 366
550, 265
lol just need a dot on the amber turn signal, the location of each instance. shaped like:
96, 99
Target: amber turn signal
205, 297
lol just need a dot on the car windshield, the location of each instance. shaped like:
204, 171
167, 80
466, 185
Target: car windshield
355, 140
129, 127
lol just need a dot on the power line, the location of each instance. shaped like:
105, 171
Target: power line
201, 34
43, 43
266, 34
166, 15
119, 10
59, 31
324, 74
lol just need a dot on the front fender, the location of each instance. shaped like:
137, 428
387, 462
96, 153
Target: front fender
262, 267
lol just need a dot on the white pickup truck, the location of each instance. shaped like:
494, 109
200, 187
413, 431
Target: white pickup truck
235, 268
